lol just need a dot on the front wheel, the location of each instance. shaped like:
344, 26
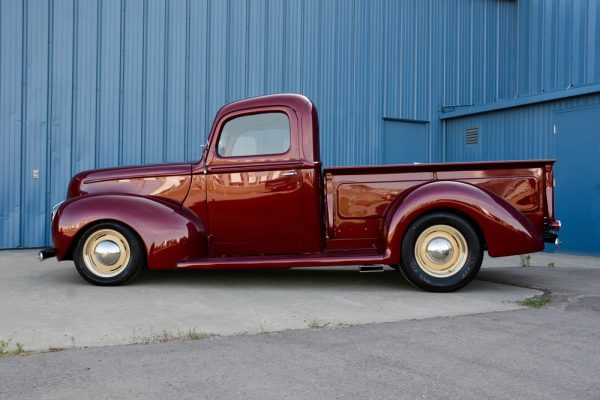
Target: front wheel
109, 254
441, 252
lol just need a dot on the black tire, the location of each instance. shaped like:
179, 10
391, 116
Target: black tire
443, 270
131, 254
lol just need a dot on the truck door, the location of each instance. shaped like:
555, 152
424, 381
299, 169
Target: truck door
254, 186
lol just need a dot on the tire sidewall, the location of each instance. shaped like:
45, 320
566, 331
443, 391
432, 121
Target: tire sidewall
415, 274
133, 266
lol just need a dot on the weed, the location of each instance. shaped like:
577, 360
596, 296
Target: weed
525, 260
262, 324
317, 324
167, 336
4, 348
194, 335
535, 301
551, 265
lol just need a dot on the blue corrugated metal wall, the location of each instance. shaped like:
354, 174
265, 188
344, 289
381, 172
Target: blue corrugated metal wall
87, 84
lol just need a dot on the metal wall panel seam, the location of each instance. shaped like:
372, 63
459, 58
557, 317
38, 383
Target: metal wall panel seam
367, 71
385, 60
186, 113
24, 36
302, 40
165, 119
74, 80
284, 41
98, 79
144, 80
497, 74
430, 86
227, 65
49, 123
352, 89
207, 78
247, 55
121, 78
266, 45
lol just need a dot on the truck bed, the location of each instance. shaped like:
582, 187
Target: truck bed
358, 199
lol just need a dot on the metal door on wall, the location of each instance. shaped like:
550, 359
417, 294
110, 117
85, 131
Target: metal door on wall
577, 176
405, 142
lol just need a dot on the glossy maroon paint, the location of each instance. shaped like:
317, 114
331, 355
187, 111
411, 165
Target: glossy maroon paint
169, 232
168, 181
281, 210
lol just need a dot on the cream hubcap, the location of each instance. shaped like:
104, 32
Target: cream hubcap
106, 253
441, 251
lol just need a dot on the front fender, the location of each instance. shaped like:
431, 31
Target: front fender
169, 232
506, 230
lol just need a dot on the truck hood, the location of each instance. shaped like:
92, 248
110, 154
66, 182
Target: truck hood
168, 181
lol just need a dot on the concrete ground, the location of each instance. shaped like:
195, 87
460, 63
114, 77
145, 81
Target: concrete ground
47, 305
524, 353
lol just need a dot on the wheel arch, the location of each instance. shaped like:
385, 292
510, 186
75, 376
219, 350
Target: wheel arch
502, 229
459, 213
168, 232
71, 249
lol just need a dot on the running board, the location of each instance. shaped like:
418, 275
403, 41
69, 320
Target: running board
370, 268
282, 262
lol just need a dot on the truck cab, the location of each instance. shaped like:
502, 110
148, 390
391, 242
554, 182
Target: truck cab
261, 179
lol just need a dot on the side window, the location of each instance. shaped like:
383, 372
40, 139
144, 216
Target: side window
256, 134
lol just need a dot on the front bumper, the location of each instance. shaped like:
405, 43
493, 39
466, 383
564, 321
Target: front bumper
46, 253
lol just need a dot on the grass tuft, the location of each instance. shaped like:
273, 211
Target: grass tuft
535, 301
5, 348
166, 336
317, 324
525, 260
194, 335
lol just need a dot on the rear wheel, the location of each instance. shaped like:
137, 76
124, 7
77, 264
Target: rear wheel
109, 254
441, 252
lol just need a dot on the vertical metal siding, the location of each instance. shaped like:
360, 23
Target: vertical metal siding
11, 98
87, 84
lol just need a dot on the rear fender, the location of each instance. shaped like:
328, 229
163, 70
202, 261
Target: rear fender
169, 232
505, 229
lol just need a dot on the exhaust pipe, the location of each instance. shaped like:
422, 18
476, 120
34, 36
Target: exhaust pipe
45, 253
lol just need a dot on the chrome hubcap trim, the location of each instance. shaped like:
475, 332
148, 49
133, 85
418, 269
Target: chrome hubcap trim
106, 253
441, 251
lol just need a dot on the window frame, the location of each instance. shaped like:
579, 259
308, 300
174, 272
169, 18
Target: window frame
259, 155
214, 160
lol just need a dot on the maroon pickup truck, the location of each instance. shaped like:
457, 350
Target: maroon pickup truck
258, 198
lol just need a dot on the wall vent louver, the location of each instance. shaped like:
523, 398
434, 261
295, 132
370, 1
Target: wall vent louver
472, 136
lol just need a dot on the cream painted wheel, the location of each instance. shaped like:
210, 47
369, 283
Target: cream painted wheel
106, 253
441, 251
109, 253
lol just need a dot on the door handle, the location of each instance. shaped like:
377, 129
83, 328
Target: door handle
290, 173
